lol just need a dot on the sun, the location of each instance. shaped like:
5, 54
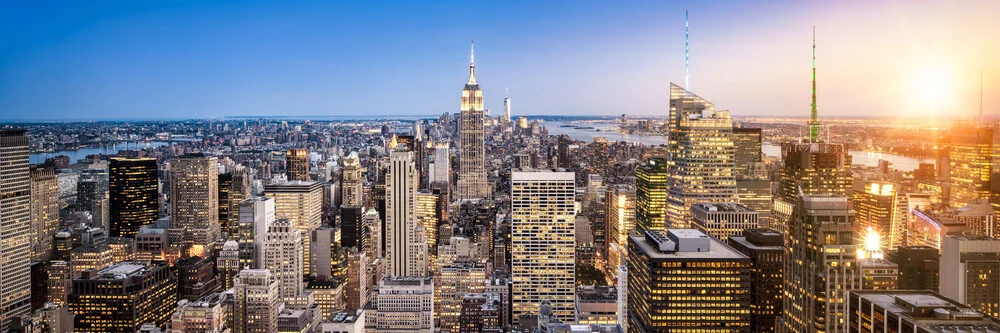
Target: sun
932, 89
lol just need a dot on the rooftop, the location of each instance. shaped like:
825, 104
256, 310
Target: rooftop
721, 207
716, 249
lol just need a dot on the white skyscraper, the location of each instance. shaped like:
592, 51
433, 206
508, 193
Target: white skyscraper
406, 246
543, 244
440, 170
283, 257
472, 182
351, 183
255, 217
256, 302
15, 190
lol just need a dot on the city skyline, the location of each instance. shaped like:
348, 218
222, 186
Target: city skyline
194, 60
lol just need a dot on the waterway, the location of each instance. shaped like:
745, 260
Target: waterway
866, 158
79, 154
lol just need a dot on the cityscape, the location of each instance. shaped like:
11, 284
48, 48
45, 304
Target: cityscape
685, 216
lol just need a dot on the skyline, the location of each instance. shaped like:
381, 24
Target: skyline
201, 60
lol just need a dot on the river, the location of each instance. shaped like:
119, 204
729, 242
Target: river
866, 158
79, 154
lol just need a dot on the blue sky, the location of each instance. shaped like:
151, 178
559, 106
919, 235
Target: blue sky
171, 59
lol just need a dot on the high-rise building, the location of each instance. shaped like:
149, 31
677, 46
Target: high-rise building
472, 182
256, 302
620, 215
651, 195
453, 282
766, 250
353, 231
970, 272
815, 168
283, 258
122, 297
918, 267
685, 280
543, 247
351, 184
970, 149
428, 218
753, 187
405, 304
723, 220
820, 264
228, 263
234, 187
439, 170
255, 217
357, 279
911, 311
301, 203
298, 164
701, 155
480, 313
195, 278
15, 208
405, 245
748, 148
876, 208
206, 315
133, 194
194, 200
44, 211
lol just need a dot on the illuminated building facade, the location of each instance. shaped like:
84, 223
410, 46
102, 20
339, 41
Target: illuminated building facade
724, 219
256, 302
44, 211
133, 193
301, 203
94, 256
453, 283
912, 311
480, 313
815, 168
766, 251
970, 151
686, 281
234, 187
351, 185
405, 304
194, 200
702, 155
283, 257
748, 145
357, 279
255, 216
596, 305
298, 164
970, 272
820, 264
918, 267
122, 297
228, 263
405, 245
472, 182
620, 215
543, 243
876, 208
427, 217
206, 315
651, 195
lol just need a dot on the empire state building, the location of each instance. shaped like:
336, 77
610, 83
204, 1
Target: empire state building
472, 182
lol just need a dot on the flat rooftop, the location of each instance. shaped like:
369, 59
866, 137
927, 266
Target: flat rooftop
717, 250
721, 207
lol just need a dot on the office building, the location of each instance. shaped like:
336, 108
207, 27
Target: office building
122, 297
405, 245
877, 208
328, 260
283, 258
543, 245
44, 211
440, 163
90, 257
256, 302
596, 305
918, 311
702, 155
205, 315
357, 279
255, 217
427, 216
724, 219
405, 304
472, 182
196, 278
352, 183
234, 187
684, 280
353, 231
651, 195
349, 321
970, 272
15, 188
194, 200
300, 202
766, 250
970, 149
297, 167
918, 267
453, 282
480, 313
227, 263
816, 168
821, 234
133, 194
748, 146
620, 215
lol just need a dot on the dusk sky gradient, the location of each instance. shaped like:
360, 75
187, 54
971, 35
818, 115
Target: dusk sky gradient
185, 59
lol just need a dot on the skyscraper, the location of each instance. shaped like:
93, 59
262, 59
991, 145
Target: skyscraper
440, 169
748, 144
702, 155
44, 211
876, 208
351, 183
255, 217
753, 187
405, 304
543, 244
684, 280
228, 263
918, 267
472, 182
256, 302
405, 243
234, 187
283, 258
426, 209
301, 203
123, 297
620, 217
298, 164
723, 220
651, 195
133, 192
820, 264
194, 200
970, 272
767, 253
15, 209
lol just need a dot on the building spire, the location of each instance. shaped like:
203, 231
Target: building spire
472, 62
814, 116
687, 55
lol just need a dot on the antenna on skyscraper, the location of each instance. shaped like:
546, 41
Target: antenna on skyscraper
687, 55
814, 115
